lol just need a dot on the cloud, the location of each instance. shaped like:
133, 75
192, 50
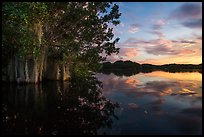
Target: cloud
156, 28
124, 54
117, 32
155, 46
193, 23
122, 24
184, 41
181, 59
186, 52
187, 11
161, 50
158, 25
164, 46
134, 28
170, 47
160, 22
190, 15
128, 52
158, 33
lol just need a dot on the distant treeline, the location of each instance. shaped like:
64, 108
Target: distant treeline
131, 68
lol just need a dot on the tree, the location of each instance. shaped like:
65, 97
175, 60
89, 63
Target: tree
68, 33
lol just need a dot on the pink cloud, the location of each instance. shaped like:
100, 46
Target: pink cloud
129, 52
160, 22
172, 51
134, 28
186, 52
124, 54
182, 59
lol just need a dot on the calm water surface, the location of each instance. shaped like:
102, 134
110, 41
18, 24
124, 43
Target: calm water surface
155, 103
145, 103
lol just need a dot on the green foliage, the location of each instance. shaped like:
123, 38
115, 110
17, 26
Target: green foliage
126, 64
74, 32
18, 26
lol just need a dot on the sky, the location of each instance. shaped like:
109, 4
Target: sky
159, 32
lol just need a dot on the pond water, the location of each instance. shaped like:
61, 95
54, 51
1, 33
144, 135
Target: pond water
155, 103
144, 103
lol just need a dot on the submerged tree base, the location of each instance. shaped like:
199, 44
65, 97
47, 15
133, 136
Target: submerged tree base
33, 71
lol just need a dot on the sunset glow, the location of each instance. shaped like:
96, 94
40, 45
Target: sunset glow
160, 32
196, 76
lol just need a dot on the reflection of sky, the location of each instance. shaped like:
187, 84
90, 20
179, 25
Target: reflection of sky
158, 97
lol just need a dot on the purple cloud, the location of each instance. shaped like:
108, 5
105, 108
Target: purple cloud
161, 50
158, 33
193, 23
187, 11
156, 28
158, 25
184, 41
160, 46
134, 28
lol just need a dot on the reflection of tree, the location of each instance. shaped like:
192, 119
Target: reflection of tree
121, 72
77, 107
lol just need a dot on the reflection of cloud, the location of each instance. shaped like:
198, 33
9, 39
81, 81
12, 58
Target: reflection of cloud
131, 81
177, 76
158, 102
186, 124
193, 111
174, 85
133, 106
158, 88
153, 96
184, 91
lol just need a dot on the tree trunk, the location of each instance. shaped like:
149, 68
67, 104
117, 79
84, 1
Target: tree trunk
11, 70
52, 69
64, 72
33, 70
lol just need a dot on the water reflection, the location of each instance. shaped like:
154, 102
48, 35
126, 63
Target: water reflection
155, 103
130, 72
76, 107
